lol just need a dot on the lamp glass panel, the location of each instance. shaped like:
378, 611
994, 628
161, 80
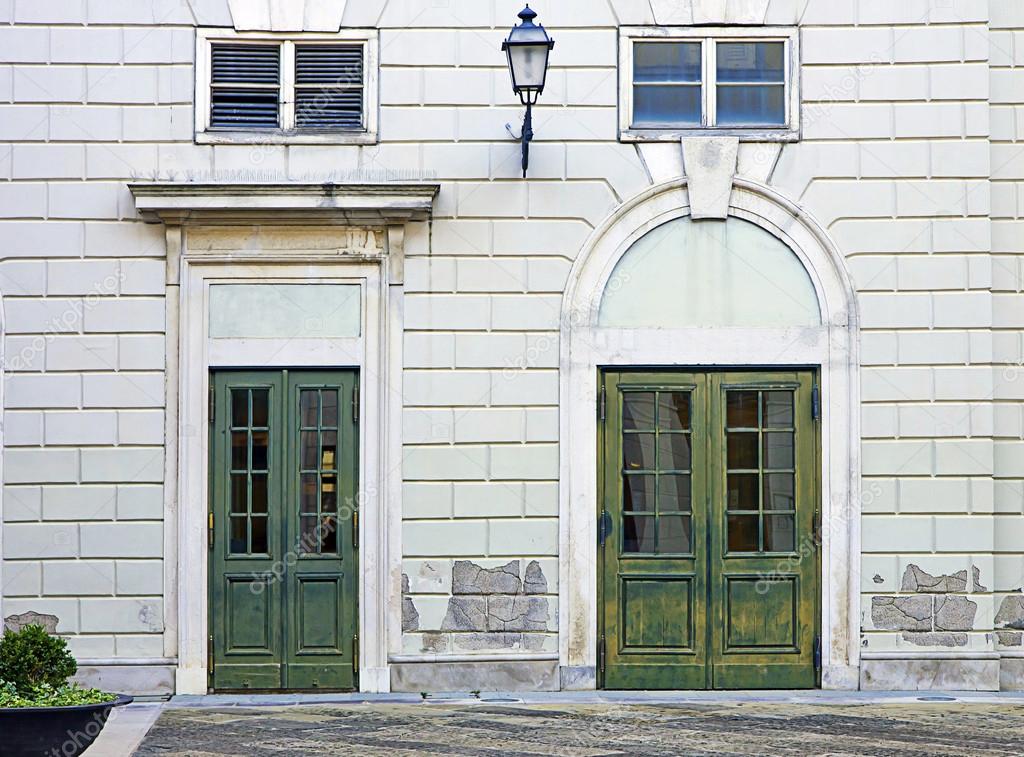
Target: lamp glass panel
529, 65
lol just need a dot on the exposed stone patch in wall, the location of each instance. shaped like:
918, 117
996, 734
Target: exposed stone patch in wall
936, 639
1011, 612
535, 581
15, 623
494, 608
931, 615
902, 613
917, 580
1010, 638
517, 613
954, 613
410, 616
465, 614
470, 578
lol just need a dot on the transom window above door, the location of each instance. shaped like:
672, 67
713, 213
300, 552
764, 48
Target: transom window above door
301, 88
729, 81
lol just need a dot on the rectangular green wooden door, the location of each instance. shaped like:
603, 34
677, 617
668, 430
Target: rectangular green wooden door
707, 548
283, 525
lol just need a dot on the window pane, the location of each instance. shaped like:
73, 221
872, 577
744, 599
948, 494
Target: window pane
308, 541
329, 494
778, 491
674, 411
239, 450
309, 490
743, 533
308, 408
742, 451
638, 533
260, 450
688, 273
638, 411
674, 452
778, 450
742, 494
674, 534
741, 409
329, 398
260, 408
328, 450
239, 493
779, 533
259, 536
240, 407
239, 536
329, 535
673, 493
308, 446
778, 409
637, 493
751, 62
259, 492
638, 452
666, 62
752, 106
666, 106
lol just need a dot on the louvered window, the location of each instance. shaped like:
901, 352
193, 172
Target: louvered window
328, 86
289, 89
245, 87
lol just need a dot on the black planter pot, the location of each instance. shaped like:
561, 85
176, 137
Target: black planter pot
53, 731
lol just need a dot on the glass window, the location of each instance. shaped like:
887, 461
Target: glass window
710, 82
667, 83
689, 273
751, 84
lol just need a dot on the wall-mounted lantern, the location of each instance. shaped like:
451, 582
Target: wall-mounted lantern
528, 47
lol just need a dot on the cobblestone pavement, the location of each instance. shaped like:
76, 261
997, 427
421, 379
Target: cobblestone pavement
590, 730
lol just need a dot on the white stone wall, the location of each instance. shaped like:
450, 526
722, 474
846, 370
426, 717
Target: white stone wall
912, 111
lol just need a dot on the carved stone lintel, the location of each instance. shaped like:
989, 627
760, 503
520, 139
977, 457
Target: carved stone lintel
710, 164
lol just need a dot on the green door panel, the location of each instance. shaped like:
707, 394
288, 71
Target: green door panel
654, 587
283, 558
708, 563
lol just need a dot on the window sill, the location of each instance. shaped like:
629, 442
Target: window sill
745, 134
257, 137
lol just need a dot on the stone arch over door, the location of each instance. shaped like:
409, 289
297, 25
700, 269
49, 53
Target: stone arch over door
832, 346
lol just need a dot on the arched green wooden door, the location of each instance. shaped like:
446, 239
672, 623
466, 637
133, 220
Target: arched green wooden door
707, 535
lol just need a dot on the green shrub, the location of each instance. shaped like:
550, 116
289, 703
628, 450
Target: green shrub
47, 696
31, 658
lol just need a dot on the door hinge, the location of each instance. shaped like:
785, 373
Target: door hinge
817, 529
602, 403
817, 654
209, 656
209, 530
212, 403
601, 654
355, 529
355, 403
355, 653
604, 527
815, 403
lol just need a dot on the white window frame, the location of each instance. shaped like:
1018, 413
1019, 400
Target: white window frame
369, 134
708, 36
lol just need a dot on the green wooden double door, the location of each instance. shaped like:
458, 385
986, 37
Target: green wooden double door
708, 559
283, 530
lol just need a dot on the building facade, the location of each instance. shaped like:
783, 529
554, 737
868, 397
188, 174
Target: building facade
307, 387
